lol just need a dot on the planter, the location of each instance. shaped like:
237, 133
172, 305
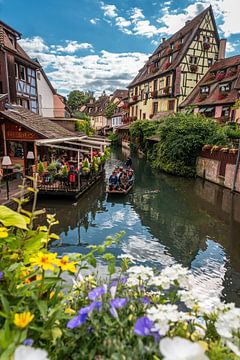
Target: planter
225, 150
207, 147
216, 148
233, 151
193, 68
206, 46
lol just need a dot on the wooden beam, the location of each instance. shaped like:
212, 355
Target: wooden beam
79, 144
64, 148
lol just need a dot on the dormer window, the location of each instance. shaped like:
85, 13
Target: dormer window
224, 87
204, 89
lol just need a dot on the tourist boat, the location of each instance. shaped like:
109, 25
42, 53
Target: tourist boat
120, 191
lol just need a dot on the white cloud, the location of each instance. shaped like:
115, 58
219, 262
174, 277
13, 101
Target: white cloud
35, 44
95, 72
137, 14
144, 28
94, 21
109, 10
232, 46
72, 46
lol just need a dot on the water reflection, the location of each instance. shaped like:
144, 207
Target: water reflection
166, 220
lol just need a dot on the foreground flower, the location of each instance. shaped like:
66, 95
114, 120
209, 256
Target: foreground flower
97, 292
143, 326
29, 353
118, 303
44, 260
181, 349
77, 321
28, 342
23, 319
1, 275
3, 233
65, 264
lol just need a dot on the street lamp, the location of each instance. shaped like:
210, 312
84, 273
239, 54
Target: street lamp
6, 161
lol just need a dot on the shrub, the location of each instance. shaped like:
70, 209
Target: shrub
40, 168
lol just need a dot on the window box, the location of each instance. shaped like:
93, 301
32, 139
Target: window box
193, 68
222, 95
206, 46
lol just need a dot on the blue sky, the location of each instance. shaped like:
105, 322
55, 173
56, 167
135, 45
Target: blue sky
100, 45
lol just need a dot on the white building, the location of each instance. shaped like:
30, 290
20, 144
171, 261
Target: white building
46, 94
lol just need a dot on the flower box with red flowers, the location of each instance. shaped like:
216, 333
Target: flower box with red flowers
154, 94
231, 72
222, 95
206, 46
134, 98
193, 68
220, 76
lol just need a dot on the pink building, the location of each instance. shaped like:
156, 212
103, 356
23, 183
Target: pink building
60, 107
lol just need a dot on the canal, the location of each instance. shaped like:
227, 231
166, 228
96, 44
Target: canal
166, 220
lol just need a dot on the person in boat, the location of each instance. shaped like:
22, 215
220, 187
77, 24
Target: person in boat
72, 176
119, 172
130, 177
124, 184
113, 181
128, 162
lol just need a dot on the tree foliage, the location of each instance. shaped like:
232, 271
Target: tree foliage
77, 98
109, 110
84, 126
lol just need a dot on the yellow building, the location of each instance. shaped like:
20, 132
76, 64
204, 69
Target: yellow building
175, 68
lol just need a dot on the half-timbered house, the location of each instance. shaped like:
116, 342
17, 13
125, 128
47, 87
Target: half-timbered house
175, 68
17, 70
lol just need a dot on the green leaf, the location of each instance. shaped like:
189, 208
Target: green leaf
9, 217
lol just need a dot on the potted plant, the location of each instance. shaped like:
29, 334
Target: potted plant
206, 46
193, 68
40, 168
52, 168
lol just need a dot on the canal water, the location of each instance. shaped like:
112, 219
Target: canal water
166, 220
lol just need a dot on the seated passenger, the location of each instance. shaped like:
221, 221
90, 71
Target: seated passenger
124, 181
130, 177
113, 181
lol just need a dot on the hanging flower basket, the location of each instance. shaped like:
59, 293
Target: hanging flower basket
193, 68
206, 46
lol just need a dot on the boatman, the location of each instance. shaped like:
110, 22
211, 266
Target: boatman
113, 181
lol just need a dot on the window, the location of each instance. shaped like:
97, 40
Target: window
171, 105
136, 112
140, 115
171, 46
168, 80
142, 95
225, 111
155, 108
204, 90
155, 84
224, 87
23, 102
136, 91
210, 62
12, 40
1, 87
22, 72
171, 58
206, 39
193, 60
144, 116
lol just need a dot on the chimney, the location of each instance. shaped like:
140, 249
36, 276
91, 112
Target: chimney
222, 49
163, 40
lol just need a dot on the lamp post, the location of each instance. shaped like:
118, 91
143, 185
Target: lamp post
6, 161
30, 156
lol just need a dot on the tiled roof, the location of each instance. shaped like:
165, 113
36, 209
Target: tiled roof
211, 79
187, 33
44, 127
120, 94
18, 50
99, 105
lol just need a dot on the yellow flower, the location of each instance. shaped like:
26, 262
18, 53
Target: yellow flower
44, 260
13, 256
3, 233
65, 265
69, 311
52, 293
23, 319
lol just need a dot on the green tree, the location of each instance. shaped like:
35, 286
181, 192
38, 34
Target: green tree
77, 98
110, 108
84, 126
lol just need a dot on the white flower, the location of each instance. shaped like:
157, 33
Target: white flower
233, 347
139, 275
181, 349
170, 275
127, 256
164, 315
29, 353
228, 323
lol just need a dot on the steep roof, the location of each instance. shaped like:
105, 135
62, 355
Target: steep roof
7, 44
44, 127
231, 69
119, 94
99, 105
186, 34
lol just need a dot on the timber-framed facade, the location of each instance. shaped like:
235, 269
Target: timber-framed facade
175, 68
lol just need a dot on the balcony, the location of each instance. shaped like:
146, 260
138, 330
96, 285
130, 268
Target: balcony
133, 99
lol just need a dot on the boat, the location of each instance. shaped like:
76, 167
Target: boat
120, 191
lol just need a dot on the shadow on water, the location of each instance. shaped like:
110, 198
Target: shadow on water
166, 219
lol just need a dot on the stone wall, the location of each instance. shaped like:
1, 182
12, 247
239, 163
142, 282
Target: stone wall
218, 168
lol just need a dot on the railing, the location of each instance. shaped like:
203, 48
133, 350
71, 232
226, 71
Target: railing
9, 185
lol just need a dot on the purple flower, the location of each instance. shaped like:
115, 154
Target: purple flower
97, 292
118, 302
87, 309
145, 300
113, 312
77, 321
1, 275
28, 342
143, 326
